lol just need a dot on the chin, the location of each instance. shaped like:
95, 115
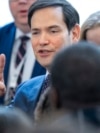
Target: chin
24, 21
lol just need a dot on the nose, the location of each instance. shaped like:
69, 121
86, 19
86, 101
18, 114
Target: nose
43, 39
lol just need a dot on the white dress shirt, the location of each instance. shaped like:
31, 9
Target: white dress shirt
29, 60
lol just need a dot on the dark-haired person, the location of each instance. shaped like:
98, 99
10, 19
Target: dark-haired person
54, 25
77, 88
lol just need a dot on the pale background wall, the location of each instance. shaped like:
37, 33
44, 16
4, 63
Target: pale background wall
84, 7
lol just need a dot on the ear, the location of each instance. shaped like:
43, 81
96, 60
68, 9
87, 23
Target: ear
75, 33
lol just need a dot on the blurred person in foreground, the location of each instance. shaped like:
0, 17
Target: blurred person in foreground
14, 121
12, 37
74, 91
57, 28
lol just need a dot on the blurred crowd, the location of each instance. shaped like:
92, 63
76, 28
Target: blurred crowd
49, 69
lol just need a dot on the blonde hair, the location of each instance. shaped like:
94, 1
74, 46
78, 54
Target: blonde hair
92, 21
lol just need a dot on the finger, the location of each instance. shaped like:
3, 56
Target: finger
2, 89
2, 64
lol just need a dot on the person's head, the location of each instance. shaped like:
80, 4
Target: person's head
75, 77
54, 24
19, 10
14, 121
90, 29
47, 129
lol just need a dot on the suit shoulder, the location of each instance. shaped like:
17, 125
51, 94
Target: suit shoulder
31, 85
27, 94
28, 91
7, 27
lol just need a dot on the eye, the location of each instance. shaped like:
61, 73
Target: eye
54, 31
35, 32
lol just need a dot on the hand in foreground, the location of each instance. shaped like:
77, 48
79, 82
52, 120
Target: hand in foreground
2, 65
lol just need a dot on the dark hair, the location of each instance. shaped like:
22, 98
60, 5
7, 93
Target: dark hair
14, 121
71, 16
75, 76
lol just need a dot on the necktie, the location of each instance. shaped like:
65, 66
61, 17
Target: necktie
46, 83
22, 50
19, 79
20, 54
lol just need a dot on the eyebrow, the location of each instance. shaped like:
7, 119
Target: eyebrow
53, 26
34, 29
50, 27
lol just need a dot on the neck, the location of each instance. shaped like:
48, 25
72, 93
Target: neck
24, 28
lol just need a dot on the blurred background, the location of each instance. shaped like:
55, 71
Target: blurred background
84, 7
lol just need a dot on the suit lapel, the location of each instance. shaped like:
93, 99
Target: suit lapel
7, 41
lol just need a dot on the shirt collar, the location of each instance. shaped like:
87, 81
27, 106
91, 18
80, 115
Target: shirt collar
19, 33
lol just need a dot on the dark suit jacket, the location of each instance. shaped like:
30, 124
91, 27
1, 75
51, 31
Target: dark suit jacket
7, 36
28, 94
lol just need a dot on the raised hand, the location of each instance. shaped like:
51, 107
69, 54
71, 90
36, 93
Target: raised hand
2, 65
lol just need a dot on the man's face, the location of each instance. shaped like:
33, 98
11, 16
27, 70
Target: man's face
19, 10
49, 34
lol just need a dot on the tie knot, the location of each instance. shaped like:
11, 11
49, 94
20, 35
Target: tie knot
24, 38
48, 78
46, 83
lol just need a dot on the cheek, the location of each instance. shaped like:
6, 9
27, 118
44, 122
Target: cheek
61, 42
34, 50
12, 6
13, 10
34, 45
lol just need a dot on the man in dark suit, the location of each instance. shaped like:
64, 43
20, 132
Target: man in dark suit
52, 29
10, 42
